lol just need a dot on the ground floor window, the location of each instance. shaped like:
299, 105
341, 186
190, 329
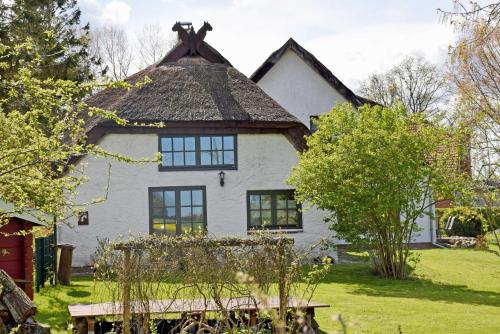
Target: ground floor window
273, 209
177, 210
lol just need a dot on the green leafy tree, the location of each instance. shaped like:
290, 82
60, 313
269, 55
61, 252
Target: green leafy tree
475, 72
377, 170
42, 126
54, 29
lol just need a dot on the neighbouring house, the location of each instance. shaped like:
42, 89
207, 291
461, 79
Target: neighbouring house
228, 145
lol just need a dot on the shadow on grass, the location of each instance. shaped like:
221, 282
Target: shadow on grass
366, 283
58, 316
78, 294
52, 302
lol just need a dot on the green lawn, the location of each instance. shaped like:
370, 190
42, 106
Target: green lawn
453, 291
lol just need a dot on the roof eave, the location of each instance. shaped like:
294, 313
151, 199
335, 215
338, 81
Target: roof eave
295, 131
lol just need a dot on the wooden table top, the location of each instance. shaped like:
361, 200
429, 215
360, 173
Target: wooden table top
186, 305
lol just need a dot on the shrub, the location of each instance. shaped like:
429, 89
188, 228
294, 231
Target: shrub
493, 213
469, 222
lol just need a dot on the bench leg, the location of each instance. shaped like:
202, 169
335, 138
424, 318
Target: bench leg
253, 318
90, 325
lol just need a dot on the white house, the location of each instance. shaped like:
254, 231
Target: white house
227, 148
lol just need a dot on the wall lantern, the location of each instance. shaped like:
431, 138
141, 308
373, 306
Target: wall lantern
221, 178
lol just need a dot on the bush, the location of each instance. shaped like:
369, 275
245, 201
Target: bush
469, 222
494, 213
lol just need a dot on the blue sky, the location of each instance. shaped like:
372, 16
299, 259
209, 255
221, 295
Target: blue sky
352, 38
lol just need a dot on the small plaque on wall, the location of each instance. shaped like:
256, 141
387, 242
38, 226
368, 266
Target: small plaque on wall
83, 218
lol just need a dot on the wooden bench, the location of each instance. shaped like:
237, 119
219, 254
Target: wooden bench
83, 316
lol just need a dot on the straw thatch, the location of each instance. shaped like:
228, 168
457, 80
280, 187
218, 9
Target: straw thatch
191, 90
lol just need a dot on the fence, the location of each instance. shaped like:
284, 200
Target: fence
44, 259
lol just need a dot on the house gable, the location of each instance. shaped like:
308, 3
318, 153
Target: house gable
298, 88
300, 83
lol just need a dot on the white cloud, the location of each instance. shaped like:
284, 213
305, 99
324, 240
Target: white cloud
353, 39
114, 12
353, 55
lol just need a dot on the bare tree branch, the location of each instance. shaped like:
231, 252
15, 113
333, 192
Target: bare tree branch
110, 44
154, 43
421, 87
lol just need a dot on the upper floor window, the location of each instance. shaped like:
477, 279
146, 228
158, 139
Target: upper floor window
273, 209
313, 123
198, 152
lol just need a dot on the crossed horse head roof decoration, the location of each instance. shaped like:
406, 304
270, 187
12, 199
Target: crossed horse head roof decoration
192, 44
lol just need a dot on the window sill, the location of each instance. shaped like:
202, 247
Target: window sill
196, 168
277, 231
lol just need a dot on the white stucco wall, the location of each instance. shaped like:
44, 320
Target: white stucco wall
264, 162
304, 93
298, 88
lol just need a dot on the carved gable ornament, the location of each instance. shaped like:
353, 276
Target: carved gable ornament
192, 45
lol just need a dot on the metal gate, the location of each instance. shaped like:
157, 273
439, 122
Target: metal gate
44, 259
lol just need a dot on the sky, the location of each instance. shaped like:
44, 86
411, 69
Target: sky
353, 38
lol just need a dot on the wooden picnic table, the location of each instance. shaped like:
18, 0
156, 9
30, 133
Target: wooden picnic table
87, 313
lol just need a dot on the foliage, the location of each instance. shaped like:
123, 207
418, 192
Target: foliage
42, 126
222, 271
54, 28
475, 72
374, 170
484, 212
420, 86
468, 222
440, 290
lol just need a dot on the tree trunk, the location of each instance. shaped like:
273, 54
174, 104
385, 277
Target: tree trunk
15, 299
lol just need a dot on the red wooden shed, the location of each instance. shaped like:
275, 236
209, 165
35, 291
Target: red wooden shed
16, 252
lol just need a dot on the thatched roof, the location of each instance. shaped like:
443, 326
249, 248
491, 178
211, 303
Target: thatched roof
192, 89
194, 86
316, 65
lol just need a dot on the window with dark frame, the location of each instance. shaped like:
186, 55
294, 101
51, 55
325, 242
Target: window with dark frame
313, 123
273, 209
198, 152
177, 210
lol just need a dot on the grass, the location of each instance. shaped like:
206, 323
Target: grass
452, 291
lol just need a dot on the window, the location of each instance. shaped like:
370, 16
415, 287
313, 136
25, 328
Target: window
198, 152
273, 209
177, 210
313, 121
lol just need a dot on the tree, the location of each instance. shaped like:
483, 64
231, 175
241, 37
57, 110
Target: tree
475, 72
153, 44
417, 84
376, 171
464, 17
110, 44
54, 30
42, 126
